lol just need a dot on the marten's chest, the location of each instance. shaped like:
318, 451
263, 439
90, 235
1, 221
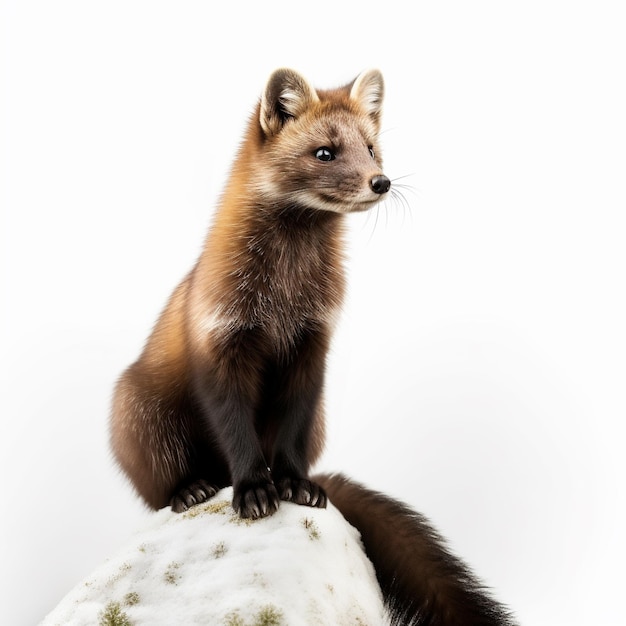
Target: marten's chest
278, 279
282, 289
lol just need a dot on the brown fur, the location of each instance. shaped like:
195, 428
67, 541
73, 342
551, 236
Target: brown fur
230, 381
228, 389
422, 582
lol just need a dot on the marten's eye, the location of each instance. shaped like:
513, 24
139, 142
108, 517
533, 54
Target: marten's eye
324, 154
371, 152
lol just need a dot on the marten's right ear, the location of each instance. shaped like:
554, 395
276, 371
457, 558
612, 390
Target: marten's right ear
286, 95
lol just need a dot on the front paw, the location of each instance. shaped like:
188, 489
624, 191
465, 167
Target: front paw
192, 493
255, 500
302, 491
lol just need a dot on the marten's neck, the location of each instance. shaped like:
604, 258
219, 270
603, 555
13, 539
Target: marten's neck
278, 268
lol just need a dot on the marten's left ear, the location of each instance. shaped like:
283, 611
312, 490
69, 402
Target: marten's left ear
368, 90
287, 95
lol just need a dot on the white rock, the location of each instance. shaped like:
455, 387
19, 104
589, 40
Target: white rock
301, 566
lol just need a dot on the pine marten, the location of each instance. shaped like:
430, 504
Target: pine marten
229, 387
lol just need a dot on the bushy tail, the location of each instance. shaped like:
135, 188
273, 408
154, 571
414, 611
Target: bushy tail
422, 582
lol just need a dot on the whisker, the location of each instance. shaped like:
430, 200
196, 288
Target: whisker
399, 191
398, 198
408, 188
393, 180
403, 185
375, 223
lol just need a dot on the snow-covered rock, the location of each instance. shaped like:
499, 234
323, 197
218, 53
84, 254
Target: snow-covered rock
301, 566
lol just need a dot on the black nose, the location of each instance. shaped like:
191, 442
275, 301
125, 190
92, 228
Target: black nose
380, 184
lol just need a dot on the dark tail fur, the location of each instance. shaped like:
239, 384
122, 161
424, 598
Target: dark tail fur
422, 582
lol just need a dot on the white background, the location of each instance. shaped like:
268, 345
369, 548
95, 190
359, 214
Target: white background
478, 372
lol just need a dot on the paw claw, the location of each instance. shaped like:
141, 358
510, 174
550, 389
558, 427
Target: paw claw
256, 501
302, 491
193, 493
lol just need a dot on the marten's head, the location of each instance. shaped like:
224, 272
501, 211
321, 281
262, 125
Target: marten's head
319, 149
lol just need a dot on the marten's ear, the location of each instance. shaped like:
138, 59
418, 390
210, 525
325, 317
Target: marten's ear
368, 90
286, 95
